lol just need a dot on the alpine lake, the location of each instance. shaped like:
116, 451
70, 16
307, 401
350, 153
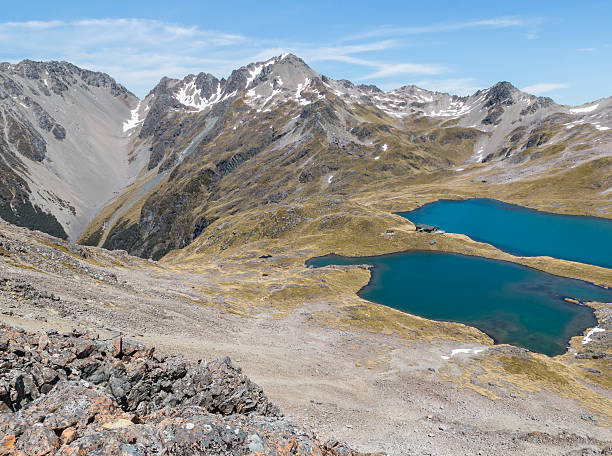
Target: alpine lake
511, 303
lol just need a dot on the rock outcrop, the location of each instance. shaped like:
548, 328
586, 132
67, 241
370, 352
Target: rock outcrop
77, 394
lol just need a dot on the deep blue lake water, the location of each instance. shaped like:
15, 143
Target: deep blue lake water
522, 231
511, 303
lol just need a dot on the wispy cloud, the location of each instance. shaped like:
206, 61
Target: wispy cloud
387, 70
138, 52
353, 55
586, 49
33, 25
344, 53
544, 87
491, 23
458, 86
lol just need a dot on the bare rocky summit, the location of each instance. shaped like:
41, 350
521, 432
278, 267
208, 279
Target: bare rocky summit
75, 394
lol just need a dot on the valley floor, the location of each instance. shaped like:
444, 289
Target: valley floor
376, 388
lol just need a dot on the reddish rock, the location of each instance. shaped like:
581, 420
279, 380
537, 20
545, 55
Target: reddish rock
7, 444
43, 341
38, 441
83, 349
117, 346
68, 435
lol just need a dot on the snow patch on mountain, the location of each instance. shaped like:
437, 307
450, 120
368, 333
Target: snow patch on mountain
576, 123
453, 109
267, 100
584, 109
299, 90
480, 155
254, 73
191, 97
466, 351
134, 119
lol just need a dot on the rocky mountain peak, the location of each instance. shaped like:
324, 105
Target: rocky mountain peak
207, 84
284, 73
285, 70
47, 109
58, 76
197, 92
369, 88
412, 91
501, 94
163, 86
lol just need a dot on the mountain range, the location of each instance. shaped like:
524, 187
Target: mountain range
268, 150
188, 218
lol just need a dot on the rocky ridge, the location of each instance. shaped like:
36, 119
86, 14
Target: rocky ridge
60, 145
78, 146
211, 142
74, 393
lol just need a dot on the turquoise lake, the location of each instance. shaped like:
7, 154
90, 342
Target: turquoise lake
522, 231
511, 303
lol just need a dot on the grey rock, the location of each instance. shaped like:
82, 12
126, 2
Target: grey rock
140, 406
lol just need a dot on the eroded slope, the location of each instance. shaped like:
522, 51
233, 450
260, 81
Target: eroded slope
63, 151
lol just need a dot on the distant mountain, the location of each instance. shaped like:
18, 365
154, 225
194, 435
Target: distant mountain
198, 152
62, 148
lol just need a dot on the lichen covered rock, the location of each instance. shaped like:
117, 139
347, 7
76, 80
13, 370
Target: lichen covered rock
77, 394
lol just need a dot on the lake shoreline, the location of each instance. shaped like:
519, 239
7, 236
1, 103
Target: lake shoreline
559, 298
527, 233
526, 208
519, 230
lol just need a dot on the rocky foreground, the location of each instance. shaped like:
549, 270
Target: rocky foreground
76, 394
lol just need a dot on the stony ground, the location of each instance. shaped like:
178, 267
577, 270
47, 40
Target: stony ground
75, 393
375, 391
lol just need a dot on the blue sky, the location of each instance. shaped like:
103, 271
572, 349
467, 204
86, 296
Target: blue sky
561, 49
